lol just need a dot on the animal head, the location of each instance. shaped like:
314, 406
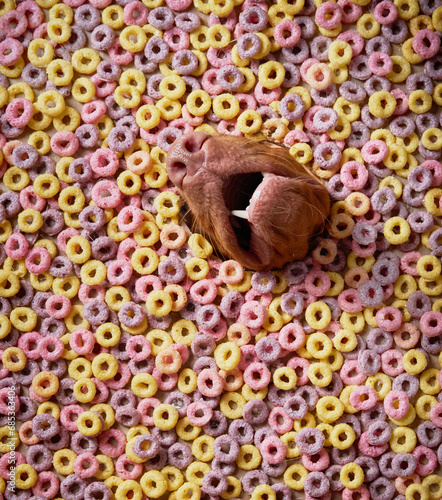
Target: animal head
250, 198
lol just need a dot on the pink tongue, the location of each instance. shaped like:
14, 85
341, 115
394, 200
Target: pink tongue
271, 211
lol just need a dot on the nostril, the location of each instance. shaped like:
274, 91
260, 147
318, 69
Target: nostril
191, 146
178, 166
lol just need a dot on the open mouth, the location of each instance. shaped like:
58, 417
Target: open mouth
237, 193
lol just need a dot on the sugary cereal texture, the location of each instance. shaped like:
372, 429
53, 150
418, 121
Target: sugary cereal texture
134, 363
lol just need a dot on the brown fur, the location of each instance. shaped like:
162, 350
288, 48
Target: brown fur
298, 210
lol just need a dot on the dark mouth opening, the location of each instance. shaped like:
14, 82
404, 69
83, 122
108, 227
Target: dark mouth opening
237, 191
242, 230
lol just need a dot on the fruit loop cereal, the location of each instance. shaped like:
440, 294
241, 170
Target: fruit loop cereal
134, 363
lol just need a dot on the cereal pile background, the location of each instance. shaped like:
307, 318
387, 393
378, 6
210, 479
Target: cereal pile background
138, 365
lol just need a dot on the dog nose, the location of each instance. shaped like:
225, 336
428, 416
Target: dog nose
184, 156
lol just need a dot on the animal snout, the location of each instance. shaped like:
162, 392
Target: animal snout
185, 156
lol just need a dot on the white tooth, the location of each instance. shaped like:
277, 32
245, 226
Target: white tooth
266, 174
243, 214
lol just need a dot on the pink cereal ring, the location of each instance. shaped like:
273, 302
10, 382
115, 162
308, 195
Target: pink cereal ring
38, 260
426, 43
229, 127
328, 15
118, 55
151, 136
58, 306
100, 4
119, 272
145, 284
210, 383
385, 12
391, 362
295, 136
182, 349
374, 151
138, 348
389, 318
253, 314
28, 343
199, 413
64, 143
32, 12
126, 469
231, 272
266, 96
50, 348
354, 39
69, 415
380, 63
47, 485
317, 462
82, 341
350, 11
126, 249
92, 111
273, 450
135, 13
166, 382
294, 33
396, 404
280, 421
106, 194
435, 167
129, 219
102, 87
10, 51
16, 246
104, 162
171, 35
246, 101
28, 199
349, 301
350, 494
351, 373
354, 175
219, 331
102, 393
308, 63
178, 5
257, 376
431, 323
401, 483
86, 293
219, 57
19, 112
401, 101
426, 460
8, 403
13, 23
86, 465
436, 414
121, 378
204, 291
292, 336
192, 120
112, 442
317, 283
208, 82
363, 398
